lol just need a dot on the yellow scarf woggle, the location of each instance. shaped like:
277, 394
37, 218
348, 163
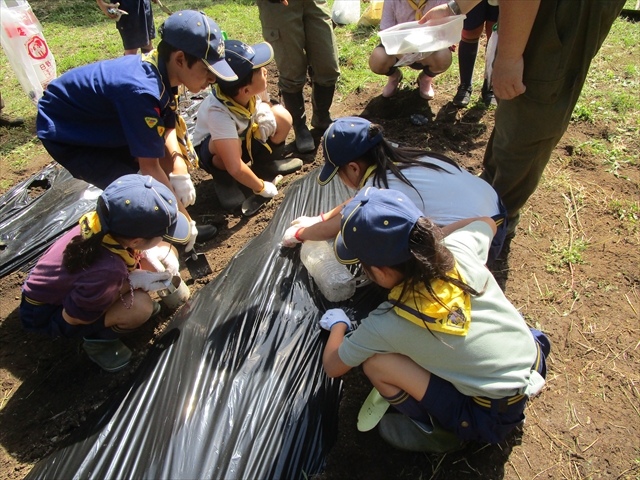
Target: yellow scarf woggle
423, 310
186, 147
90, 225
418, 6
243, 112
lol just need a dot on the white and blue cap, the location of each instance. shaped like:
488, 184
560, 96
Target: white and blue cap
375, 228
138, 206
198, 35
345, 140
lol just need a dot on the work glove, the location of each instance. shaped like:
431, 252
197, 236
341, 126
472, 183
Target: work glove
289, 238
333, 316
163, 259
268, 191
266, 121
183, 186
192, 239
149, 281
307, 221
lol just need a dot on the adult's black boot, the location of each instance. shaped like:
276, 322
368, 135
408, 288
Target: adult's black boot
294, 102
321, 98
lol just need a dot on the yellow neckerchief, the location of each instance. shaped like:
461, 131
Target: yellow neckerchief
367, 173
421, 309
417, 6
186, 148
90, 225
243, 112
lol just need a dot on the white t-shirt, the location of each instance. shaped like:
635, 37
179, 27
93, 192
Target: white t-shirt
214, 118
445, 197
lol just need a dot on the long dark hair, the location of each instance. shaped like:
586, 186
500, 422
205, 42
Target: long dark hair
432, 261
387, 157
81, 253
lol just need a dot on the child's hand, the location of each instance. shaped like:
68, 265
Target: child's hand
290, 237
266, 121
149, 281
183, 187
307, 221
268, 191
333, 316
163, 259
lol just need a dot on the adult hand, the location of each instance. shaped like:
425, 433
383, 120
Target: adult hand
163, 259
441, 11
149, 281
183, 186
307, 221
268, 191
192, 239
333, 316
289, 239
266, 121
507, 77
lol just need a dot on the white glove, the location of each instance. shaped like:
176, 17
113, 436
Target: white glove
183, 186
266, 121
163, 259
149, 281
268, 191
307, 221
289, 238
192, 239
333, 316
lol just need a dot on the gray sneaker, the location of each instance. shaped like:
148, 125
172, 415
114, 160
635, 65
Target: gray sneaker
111, 355
407, 434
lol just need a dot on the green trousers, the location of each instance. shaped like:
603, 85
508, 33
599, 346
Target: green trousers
565, 37
301, 35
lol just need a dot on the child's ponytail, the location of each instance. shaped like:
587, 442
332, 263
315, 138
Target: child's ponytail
81, 252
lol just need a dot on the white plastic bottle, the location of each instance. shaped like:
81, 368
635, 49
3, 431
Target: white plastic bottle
332, 278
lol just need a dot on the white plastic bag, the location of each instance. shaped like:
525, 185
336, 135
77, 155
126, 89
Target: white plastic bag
25, 47
344, 12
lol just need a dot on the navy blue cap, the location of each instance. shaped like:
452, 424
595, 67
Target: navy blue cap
243, 58
138, 206
345, 140
375, 228
198, 35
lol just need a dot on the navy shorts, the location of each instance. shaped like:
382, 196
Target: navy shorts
260, 153
479, 418
482, 12
137, 28
96, 165
48, 319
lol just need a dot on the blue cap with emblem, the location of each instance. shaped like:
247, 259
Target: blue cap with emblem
345, 140
243, 58
138, 206
375, 228
198, 35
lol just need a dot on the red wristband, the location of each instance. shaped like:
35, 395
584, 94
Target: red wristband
322, 216
297, 235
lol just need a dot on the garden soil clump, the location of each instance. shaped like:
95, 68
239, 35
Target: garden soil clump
572, 270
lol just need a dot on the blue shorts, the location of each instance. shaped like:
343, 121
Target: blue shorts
479, 418
137, 28
96, 165
48, 319
259, 152
482, 12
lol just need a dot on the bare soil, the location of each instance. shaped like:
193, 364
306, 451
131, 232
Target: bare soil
585, 423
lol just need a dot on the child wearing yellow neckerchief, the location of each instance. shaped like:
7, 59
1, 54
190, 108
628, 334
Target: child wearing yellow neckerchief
402, 11
90, 284
447, 350
237, 125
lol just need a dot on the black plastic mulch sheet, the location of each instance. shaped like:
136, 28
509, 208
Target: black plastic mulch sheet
235, 389
37, 211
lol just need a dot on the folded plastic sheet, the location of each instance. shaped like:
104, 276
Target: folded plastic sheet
31, 221
235, 387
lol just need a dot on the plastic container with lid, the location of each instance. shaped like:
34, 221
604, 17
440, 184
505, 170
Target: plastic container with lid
410, 37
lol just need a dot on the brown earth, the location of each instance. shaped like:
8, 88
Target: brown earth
583, 425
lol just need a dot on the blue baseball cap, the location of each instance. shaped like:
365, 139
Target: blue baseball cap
375, 228
345, 140
198, 35
138, 206
243, 58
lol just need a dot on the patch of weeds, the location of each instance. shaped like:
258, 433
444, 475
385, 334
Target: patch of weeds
607, 287
625, 210
566, 254
5, 184
583, 113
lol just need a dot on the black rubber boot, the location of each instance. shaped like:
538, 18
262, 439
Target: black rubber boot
227, 189
321, 97
294, 102
282, 166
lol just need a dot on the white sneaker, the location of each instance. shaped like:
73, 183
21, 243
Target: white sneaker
391, 88
425, 86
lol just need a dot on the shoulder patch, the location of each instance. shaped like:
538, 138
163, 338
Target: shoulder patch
151, 121
160, 130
